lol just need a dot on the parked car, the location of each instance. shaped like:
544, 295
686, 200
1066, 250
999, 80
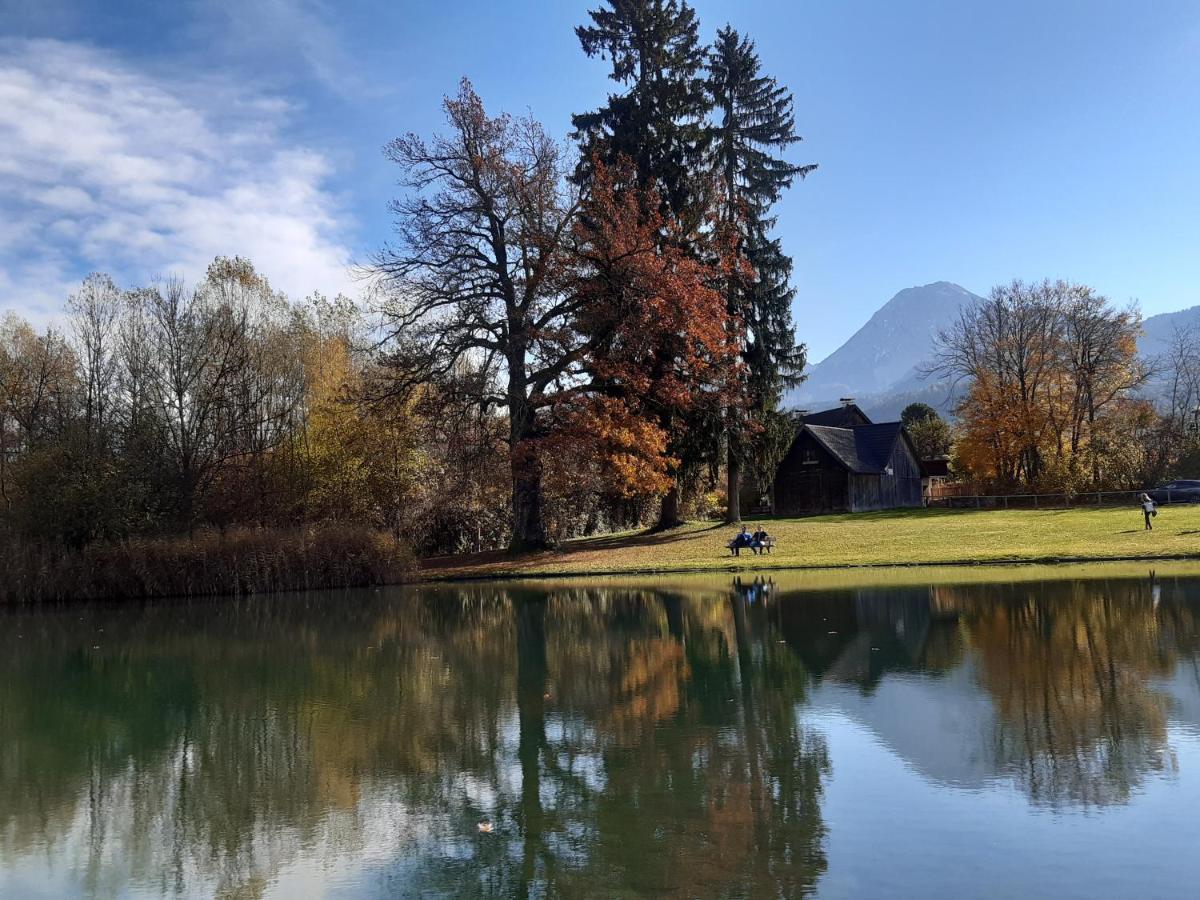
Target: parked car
1182, 491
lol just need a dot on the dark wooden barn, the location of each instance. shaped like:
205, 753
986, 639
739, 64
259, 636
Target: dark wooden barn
849, 468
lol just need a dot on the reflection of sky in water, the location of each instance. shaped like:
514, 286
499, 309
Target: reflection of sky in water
977, 741
894, 832
1183, 687
941, 727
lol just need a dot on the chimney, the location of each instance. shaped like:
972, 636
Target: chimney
847, 401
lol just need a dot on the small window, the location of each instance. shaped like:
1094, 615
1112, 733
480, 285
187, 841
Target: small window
809, 458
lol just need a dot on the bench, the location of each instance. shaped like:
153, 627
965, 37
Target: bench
767, 546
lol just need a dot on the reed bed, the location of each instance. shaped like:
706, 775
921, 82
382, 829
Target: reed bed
207, 563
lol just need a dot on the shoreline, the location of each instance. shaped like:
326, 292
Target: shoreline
1006, 563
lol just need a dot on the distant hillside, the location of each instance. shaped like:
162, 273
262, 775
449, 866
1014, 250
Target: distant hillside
1160, 329
879, 364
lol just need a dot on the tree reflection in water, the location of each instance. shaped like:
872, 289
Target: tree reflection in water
651, 741
637, 738
1073, 670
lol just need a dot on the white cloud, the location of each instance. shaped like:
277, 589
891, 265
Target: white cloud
107, 167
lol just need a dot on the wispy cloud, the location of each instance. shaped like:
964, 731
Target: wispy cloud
301, 37
105, 166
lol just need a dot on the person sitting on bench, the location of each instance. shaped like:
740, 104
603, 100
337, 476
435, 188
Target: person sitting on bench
758, 540
742, 540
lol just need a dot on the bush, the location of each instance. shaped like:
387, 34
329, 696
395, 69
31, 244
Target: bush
208, 563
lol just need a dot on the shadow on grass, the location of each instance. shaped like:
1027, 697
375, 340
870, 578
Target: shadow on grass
645, 538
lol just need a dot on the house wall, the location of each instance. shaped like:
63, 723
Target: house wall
901, 488
810, 480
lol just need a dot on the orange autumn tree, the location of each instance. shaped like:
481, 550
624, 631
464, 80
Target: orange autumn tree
661, 343
1051, 371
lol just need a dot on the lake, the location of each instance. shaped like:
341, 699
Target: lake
911, 734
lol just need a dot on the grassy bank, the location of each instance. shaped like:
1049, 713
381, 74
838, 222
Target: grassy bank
894, 537
240, 561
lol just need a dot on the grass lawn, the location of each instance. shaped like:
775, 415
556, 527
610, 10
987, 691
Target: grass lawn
891, 538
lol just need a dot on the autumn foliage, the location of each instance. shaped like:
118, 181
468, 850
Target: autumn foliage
1051, 373
660, 342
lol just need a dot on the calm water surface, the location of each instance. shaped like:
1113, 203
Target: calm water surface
691, 739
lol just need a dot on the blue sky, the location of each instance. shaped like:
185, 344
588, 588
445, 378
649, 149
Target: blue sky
972, 142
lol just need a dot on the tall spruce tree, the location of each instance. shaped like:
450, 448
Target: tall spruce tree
756, 123
660, 120
660, 123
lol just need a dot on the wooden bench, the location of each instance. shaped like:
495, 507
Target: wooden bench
767, 546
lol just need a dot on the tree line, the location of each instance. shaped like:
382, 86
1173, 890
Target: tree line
623, 303
562, 337
162, 408
1057, 397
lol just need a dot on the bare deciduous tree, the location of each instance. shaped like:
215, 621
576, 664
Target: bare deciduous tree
479, 277
1051, 369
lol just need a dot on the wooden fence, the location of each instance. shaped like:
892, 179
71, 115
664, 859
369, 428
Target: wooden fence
957, 500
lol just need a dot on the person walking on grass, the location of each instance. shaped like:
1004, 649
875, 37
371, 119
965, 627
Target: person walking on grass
1148, 510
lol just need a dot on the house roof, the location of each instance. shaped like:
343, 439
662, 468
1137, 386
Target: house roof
847, 416
864, 449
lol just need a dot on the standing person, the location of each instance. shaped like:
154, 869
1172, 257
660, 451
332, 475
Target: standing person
1148, 510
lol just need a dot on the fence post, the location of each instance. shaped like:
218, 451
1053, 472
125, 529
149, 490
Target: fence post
978, 502
1006, 501
1035, 501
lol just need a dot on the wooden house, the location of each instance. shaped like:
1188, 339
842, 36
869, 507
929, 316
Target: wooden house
854, 467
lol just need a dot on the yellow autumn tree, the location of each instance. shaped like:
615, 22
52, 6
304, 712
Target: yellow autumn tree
361, 458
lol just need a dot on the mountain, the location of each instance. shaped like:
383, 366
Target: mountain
879, 364
1160, 330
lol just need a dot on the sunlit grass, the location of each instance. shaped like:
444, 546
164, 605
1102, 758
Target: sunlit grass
894, 537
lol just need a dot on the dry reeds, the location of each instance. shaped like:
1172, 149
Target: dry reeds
207, 563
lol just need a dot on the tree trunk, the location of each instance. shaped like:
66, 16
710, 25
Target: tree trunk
531, 717
529, 532
733, 486
673, 606
668, 513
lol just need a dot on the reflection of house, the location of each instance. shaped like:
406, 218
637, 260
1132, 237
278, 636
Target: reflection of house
848, 464
857, 636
